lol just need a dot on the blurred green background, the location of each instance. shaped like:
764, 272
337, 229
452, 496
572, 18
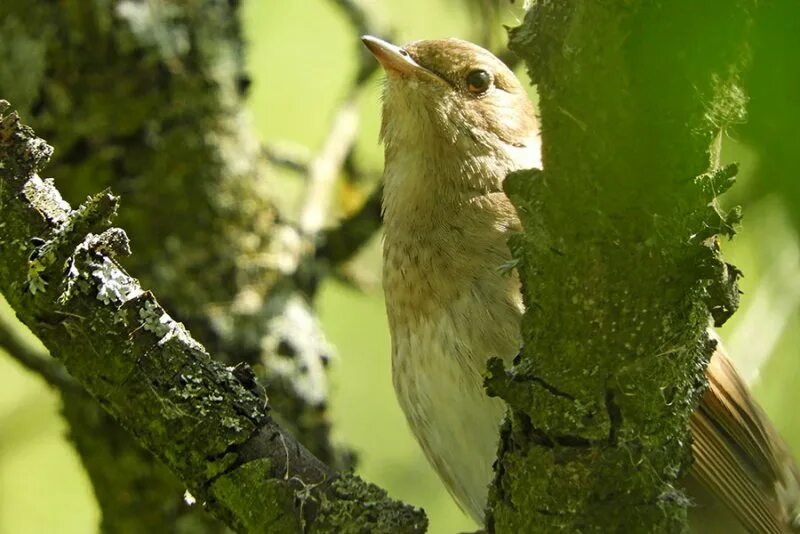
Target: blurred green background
302, 57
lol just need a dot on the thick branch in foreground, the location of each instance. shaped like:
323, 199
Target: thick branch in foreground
203, 420
618, 259
139, 494
164, 123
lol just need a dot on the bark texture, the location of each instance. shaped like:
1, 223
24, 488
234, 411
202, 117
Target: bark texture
146, 98
153, 96
619, 260
210, 424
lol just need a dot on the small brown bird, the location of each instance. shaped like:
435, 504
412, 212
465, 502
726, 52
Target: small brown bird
456, 121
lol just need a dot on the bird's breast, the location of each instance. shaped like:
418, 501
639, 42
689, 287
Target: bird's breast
450, 308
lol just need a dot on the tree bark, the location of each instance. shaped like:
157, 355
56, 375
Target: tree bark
210, 424
619, 260
147, 99
154, 96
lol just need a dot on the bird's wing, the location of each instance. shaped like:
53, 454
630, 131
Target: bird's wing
740, 457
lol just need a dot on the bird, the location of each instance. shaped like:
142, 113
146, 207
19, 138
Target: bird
455, 122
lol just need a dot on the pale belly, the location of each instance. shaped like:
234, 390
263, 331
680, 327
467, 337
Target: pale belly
451, 307
439, 384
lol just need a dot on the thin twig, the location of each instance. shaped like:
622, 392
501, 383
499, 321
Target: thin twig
359, 18
342, 133
339, 244
363, 25
326, 165
294, 159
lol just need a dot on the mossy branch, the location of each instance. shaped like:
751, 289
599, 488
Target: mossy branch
208, 423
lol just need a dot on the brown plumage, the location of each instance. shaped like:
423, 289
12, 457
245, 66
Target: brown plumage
739, 457
456, 121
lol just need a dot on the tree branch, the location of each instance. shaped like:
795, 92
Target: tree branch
339, 244
200, 418
158, 503
337, 154
295, 158
325, 167
197, 188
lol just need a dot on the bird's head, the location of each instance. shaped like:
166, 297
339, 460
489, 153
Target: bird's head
445, 94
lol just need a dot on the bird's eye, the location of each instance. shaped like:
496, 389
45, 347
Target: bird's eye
478, 81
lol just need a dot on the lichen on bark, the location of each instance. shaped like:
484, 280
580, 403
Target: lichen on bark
163, 124
148, 99
209, 423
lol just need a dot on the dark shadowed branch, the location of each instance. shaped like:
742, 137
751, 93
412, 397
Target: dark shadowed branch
31, 356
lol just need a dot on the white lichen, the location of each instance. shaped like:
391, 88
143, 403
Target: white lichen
158, 322
286, 249
114, 285
305, 368
154, 319
155, 23
45, 198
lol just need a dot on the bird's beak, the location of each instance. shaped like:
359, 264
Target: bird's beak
394, 59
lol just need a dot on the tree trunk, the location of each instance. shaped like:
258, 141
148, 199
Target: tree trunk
619, 260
